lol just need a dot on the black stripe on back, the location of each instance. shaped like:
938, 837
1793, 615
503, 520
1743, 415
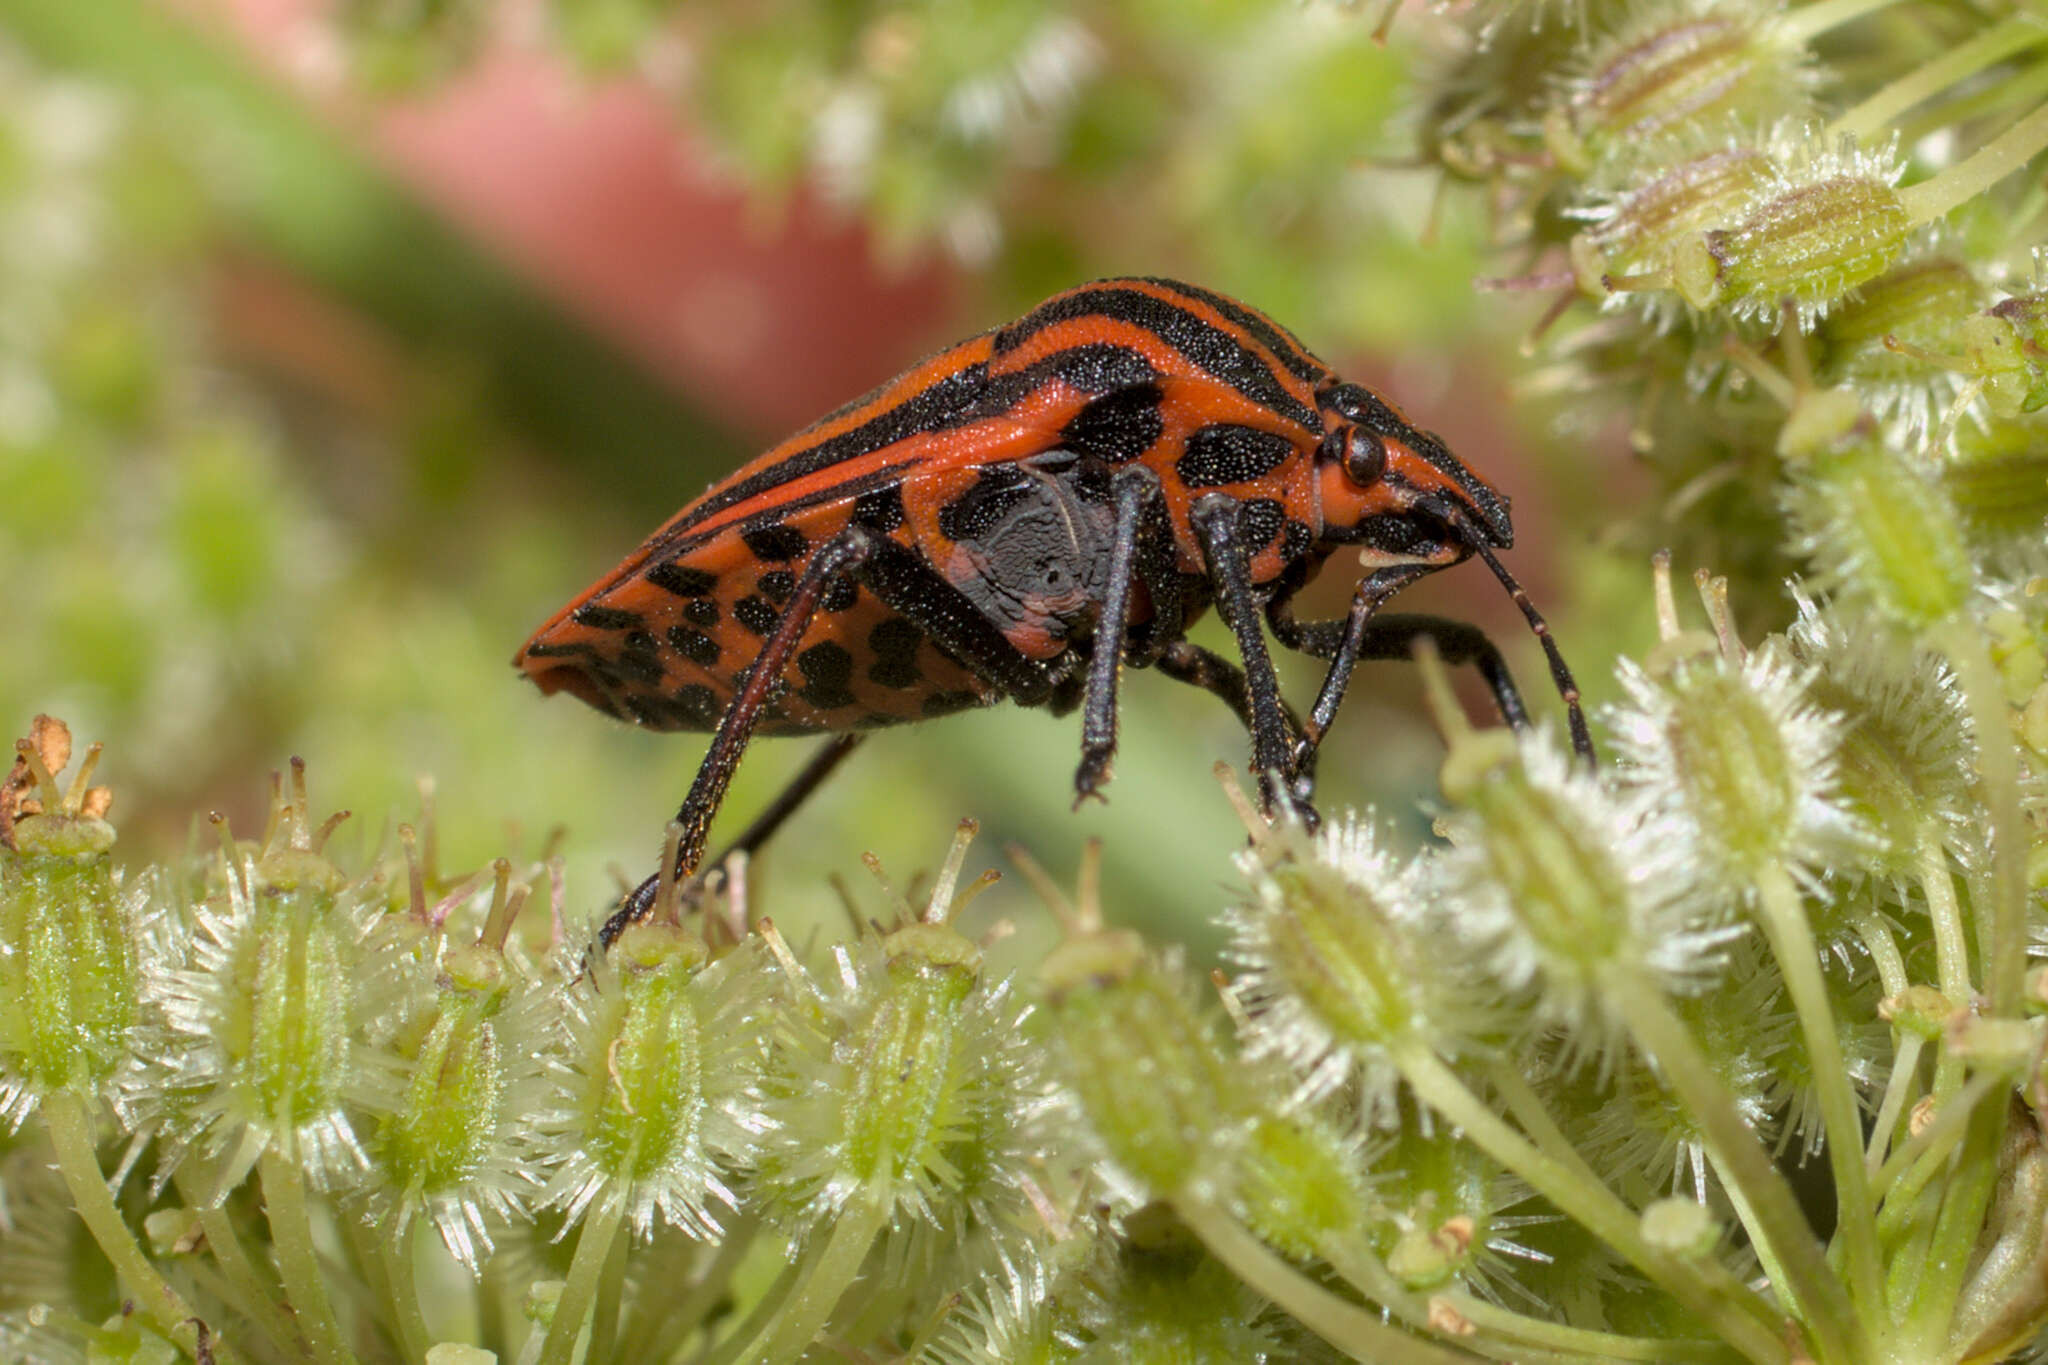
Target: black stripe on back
943, 403
1270, 334
682, 540
1212, 350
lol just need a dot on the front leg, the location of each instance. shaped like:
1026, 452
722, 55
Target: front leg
1217, 522
1360, 636
1141, 547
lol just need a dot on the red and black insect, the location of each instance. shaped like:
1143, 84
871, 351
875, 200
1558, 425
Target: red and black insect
1015, 518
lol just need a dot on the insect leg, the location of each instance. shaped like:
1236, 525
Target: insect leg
1135, 492
1344, 643
844, 553
1216, 520
1185, 661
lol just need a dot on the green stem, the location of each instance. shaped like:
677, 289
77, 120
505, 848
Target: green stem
604, 1317
2004, 938
1791, 939
1933, 199
1703, 1285
298, 1261
1808, 1281
765, 1309
1972, 1180
70, 1128
400, 1261
256, 1295
593, 1254
1898, 1089
1993, 45
828, 1275
1526, 1107
1927, 1151
1357, 1332
1577, 1341
678, 1317
1810, 21
1883, 949
1503, 1333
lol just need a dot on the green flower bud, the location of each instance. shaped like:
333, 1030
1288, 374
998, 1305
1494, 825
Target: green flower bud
1876, 343
1669, 71
71, 935
1301, 1182
1905, 757
650, 1091
1145, 1070
1830, 222
1881, 533
1737, 765
1638, 231
1339, 965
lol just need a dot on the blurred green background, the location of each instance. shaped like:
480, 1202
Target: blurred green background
340, 345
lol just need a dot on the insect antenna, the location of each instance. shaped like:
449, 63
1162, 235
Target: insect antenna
1560, 672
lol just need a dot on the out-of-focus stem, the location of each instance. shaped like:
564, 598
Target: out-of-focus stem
1791, 939
70, 1128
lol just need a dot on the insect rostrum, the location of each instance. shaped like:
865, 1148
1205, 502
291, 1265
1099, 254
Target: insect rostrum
1014, 516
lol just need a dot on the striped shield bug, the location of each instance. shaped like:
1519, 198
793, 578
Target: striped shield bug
1018, 516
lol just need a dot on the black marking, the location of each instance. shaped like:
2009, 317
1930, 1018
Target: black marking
701, 612
827, 668
840, 594
932, 408
894, 643
682, 580
1224, 453
1299, 360
1118, 426
653, 712
1210, 348
755, 614
945, 703
698, 704
776, 542
776, 585
879, 509
1296, 539
638, 660
1095, 367
606, 618
1261, 520
694, 645
975, 512
570, 650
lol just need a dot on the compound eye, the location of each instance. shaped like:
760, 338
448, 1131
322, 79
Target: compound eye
1365, 458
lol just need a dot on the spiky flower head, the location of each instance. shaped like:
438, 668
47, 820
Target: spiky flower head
452, 1075
1879, 531
651, 1084
259, 1050
1904, 762
1880, 340
1668, 68
903, 1077
74, 940
1117, 1013
1560, 879
1339, 963
1830, 219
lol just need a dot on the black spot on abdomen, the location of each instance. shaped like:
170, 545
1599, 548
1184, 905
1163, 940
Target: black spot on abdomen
827, 669
1117, 427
